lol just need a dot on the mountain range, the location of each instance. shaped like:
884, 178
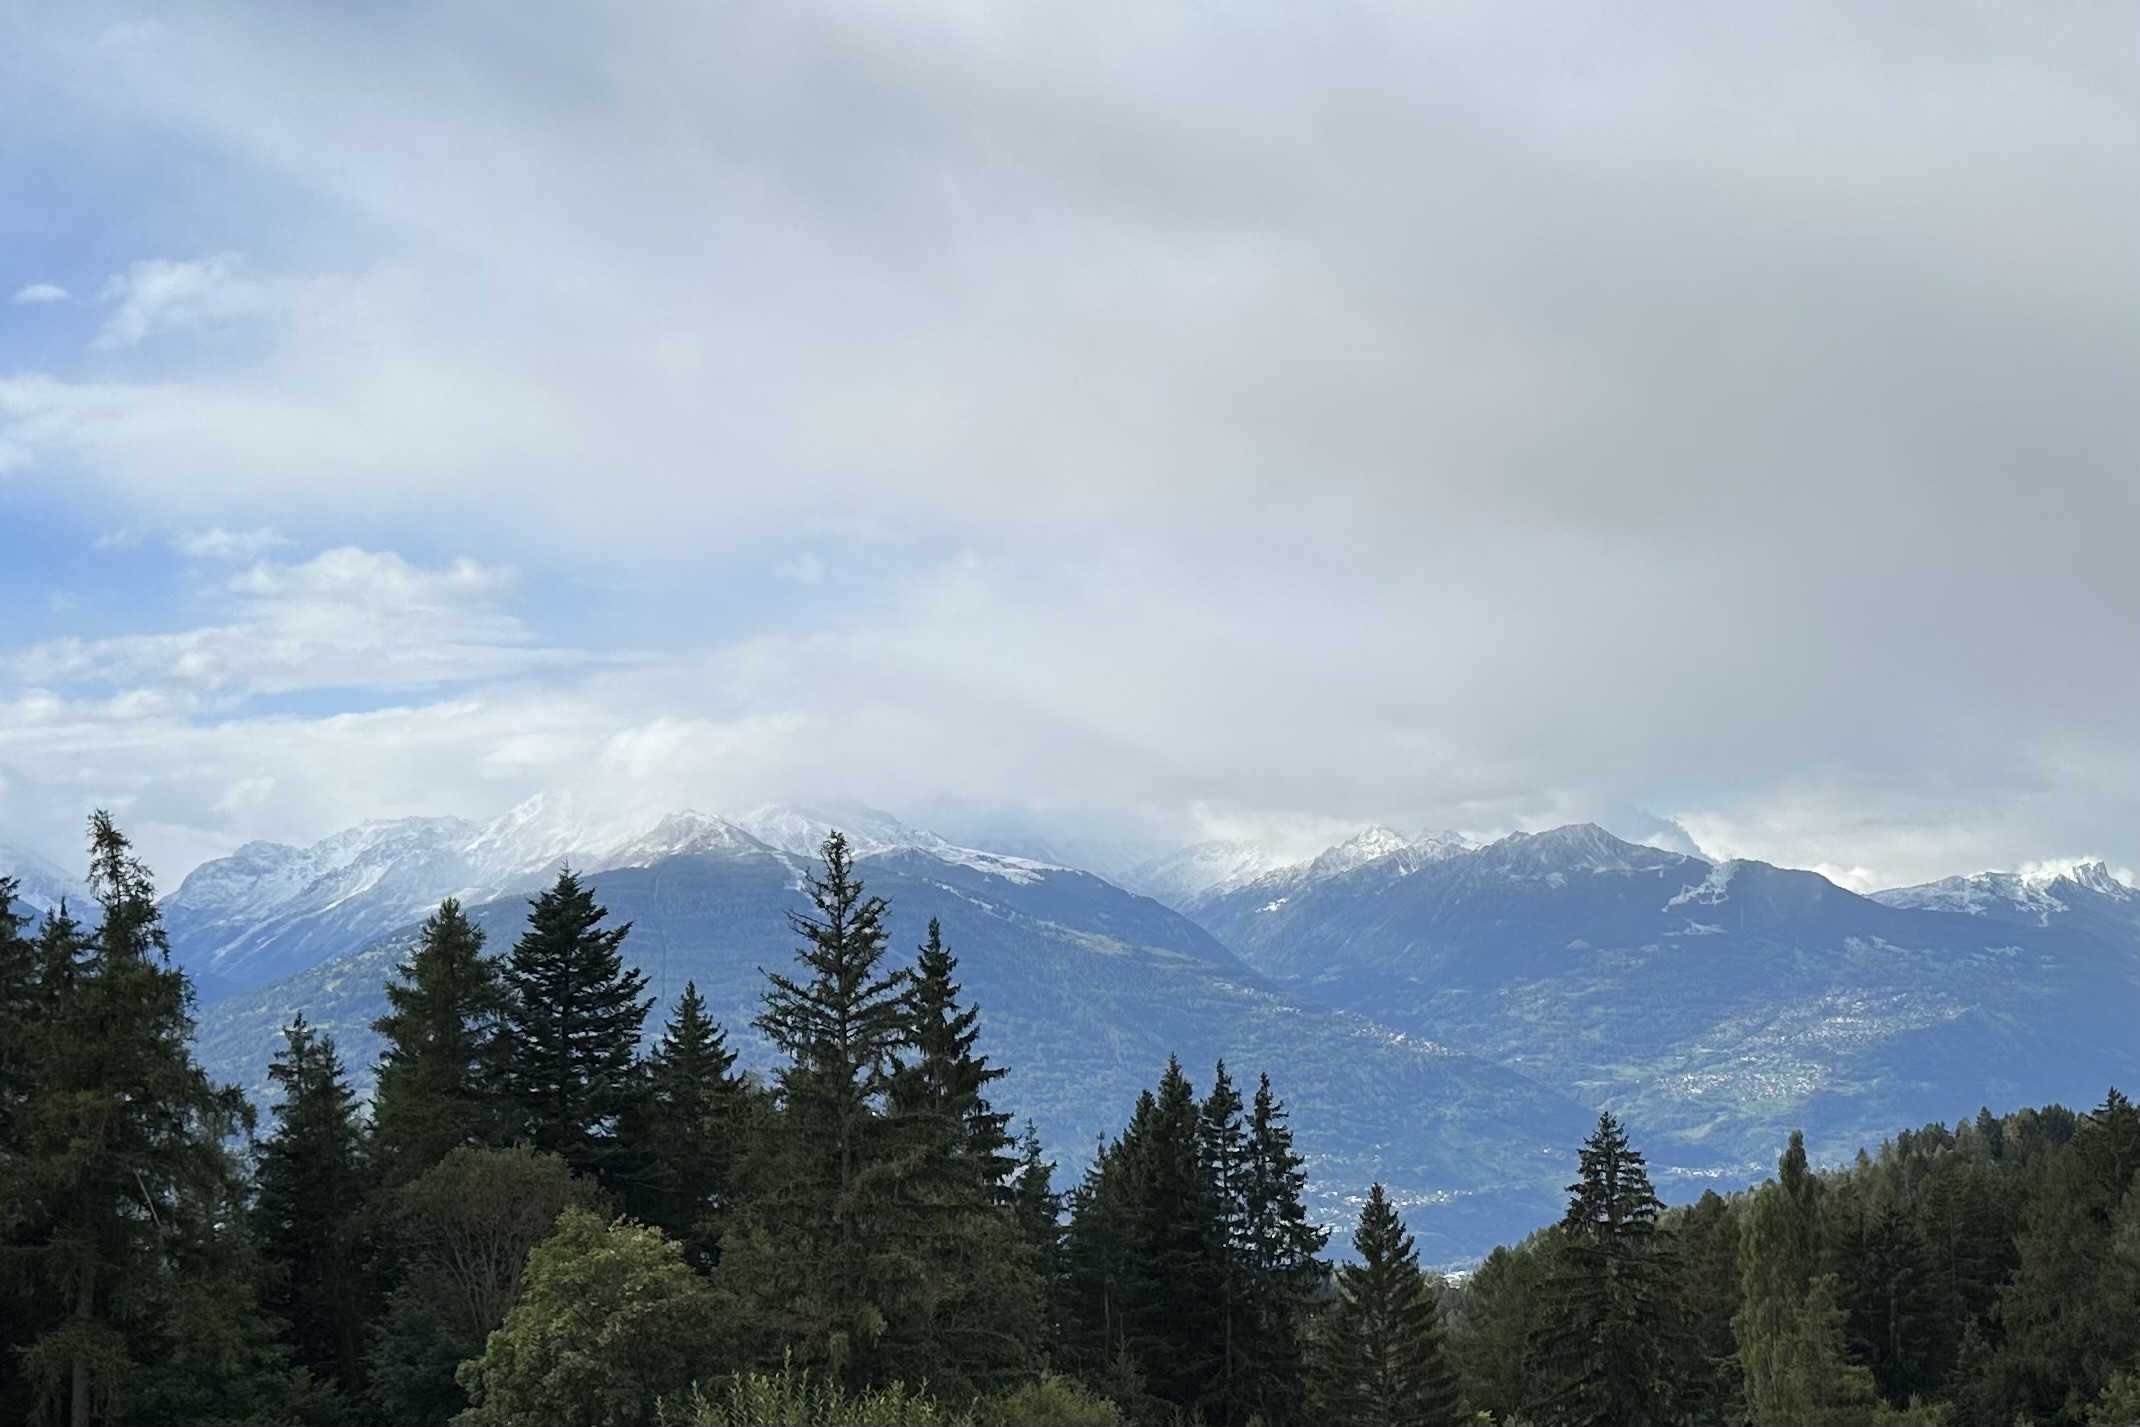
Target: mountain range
1441, 1014
1714, 1005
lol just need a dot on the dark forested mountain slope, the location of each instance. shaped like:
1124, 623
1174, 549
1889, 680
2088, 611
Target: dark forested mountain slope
1715, 1006
1084, 990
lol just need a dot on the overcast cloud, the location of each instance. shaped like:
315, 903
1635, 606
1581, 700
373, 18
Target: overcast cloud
1120, 421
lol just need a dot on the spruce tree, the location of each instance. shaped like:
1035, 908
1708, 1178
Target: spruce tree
940, 1094
1039, 1210
22, 1025
1096, 1258
435, 1083
975, 1305
1223, 1140
1379, 1360
841, 1027
127, 1183
568, 1067
19, 996
1165, 1280
1608, 1352
693, 1121
826, 1176
1965, 1218
312, 1185
1283, 1270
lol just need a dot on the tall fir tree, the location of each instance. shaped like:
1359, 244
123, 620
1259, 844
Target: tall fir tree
1223, 1140
1284, 1273
1038, 1209
21, 1033
436, 1082
1610, 1350
1379, 1359
58, 957
1092, 1293
1145, 1254
312, 1183
976, 1305
128, 1183
824, 1179
569, 1066
19, 998
696, 1112
940, 1091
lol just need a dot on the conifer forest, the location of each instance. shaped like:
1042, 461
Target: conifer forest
551, 1212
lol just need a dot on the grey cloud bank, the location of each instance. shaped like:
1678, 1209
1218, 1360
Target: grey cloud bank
1485, 416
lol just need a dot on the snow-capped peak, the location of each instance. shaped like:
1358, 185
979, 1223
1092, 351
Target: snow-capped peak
1377, 846
2040, 889
1439, 846
2092, 874
801, 832
380, 875
1371, 845
1579, 847
678, 835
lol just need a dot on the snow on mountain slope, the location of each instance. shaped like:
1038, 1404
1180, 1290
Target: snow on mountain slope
268, 909
1084, 990
800, 832
2036, 894
1209, 870
1713, 1005
1201, 869
40, 885
2085, 895
1369, 846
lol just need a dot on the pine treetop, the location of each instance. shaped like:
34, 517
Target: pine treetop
1283, 1238
1612, 1200
693, 1052
942, 1088
132, 925
846, 1019
444, 996
573, 1012
1380, 1357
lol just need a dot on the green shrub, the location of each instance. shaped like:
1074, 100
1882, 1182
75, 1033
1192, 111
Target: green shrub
609, 1320
1051, 1402
790, 1398
2119, 1403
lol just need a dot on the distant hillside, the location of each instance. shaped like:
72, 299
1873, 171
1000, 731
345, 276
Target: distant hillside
1085, 990
1716, 1006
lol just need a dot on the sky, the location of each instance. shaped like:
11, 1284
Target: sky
1111, 423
